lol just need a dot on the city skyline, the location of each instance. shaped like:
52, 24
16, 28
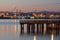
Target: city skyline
30, 5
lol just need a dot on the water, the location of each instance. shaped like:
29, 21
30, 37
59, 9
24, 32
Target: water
10, 30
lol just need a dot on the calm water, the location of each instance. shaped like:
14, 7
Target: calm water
10, 30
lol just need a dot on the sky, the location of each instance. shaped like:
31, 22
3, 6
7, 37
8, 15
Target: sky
30, 5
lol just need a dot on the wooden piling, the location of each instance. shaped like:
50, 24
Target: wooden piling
22, 28
32, 28
42, 28
37, 28
28, 28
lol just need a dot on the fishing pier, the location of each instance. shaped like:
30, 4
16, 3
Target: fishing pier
40, 25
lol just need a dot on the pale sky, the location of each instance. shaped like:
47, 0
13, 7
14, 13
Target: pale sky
30, 5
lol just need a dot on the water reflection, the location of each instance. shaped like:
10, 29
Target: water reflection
14, 28
34, 37
52, 36
7, 28
10, 31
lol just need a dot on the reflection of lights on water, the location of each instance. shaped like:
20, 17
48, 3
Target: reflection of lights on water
44, 29
14, 28
7, 28
53, 25
18, 28
52, 36
34, 37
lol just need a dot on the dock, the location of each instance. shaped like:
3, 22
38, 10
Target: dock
40, 25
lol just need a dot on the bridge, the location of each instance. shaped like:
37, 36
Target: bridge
40, 25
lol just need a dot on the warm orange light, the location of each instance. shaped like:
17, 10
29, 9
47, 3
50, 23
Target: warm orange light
52, 15
7, 14
52, 36
34, 37
14, 28
38, 15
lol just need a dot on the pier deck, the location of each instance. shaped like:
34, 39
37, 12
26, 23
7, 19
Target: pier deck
37, 21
